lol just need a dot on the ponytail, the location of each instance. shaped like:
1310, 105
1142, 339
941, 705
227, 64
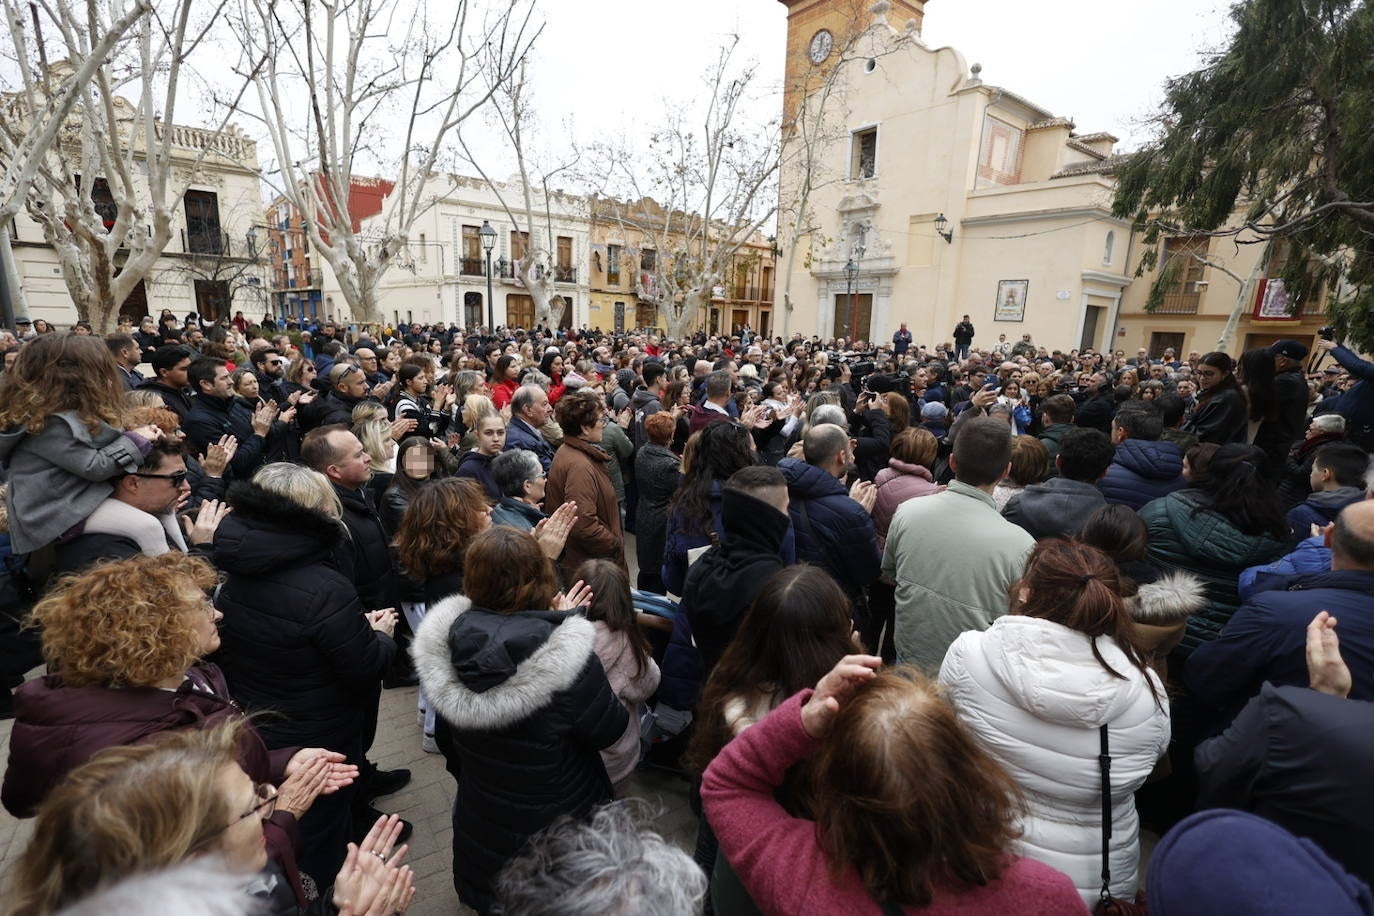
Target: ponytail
1080, 587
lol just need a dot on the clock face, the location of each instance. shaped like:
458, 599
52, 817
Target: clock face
821, 43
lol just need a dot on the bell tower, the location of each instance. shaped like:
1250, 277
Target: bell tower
818, 31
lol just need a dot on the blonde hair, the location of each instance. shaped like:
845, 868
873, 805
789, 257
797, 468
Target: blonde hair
120, 623
374, 434
125, 811
301, 487
157, 415
142, 397
366, 411
475, 407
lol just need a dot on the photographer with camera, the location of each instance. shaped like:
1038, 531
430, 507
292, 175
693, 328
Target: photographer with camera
1356, 403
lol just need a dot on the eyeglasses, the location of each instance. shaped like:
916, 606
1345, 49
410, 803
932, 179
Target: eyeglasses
177, 479
265, 797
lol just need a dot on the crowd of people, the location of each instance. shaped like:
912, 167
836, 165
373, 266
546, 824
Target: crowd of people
928, 629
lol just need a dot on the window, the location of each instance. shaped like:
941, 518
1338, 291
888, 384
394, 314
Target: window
767, 291
1181, 259
613, 265
424, 250
470, 261
999, 154
472, 310
1107, 247
563, 271
203, 235
519, 247
103, 202
863, 156
648, 260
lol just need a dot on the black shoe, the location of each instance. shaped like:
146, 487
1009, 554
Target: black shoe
364, 819
385, 782
409, 679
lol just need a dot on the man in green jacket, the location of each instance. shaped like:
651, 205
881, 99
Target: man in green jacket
953, 557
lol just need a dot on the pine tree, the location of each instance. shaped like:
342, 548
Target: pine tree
1272, 141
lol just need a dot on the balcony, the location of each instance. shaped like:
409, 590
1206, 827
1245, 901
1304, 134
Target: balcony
564, 274
472, 267
1178, 303
208, 242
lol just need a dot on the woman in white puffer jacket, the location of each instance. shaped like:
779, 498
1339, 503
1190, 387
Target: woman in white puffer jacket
1036, 686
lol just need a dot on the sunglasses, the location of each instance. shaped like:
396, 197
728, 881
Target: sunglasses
177, 479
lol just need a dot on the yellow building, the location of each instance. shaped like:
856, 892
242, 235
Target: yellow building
1213, 279
623, 259
914, 191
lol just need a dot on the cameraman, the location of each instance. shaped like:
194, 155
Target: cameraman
1356, 403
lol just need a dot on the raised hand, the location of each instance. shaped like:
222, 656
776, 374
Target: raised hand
819, 713
218, 455
577, 596
401, 426
372, 881
383, 621
864, 493
341, 772
208, 517
552, 532
300, 789
264, 417
1326, 670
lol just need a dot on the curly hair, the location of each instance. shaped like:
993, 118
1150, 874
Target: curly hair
443, 516
128, 810
59, 372
163, 418
121, 623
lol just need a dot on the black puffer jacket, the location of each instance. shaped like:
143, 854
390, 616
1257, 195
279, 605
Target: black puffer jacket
294, 639
525, 707
372, 571
722, 585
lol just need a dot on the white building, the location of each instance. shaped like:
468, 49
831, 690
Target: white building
215, 263
442, 278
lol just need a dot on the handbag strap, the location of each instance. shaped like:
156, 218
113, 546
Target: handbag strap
1104, 762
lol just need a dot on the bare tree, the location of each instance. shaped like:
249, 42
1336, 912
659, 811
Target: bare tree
367, 67
698, 196
106, 192
814, 126
537, 268
30, 120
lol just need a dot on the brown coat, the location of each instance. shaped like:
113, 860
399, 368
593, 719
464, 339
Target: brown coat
580, 473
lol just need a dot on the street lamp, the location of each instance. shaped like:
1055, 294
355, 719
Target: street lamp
942, 229
851, 270
488, 235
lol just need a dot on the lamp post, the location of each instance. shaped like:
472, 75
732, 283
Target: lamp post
851, 270
488, 235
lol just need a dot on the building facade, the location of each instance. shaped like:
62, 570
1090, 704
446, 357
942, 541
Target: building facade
625, 258
215, 263
914, 191
442, 277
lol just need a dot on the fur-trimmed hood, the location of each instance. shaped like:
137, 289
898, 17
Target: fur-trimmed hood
482, 670
1171, 599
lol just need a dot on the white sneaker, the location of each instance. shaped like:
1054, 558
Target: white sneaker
429, 745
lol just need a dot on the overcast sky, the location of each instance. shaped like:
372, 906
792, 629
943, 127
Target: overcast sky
609, 63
